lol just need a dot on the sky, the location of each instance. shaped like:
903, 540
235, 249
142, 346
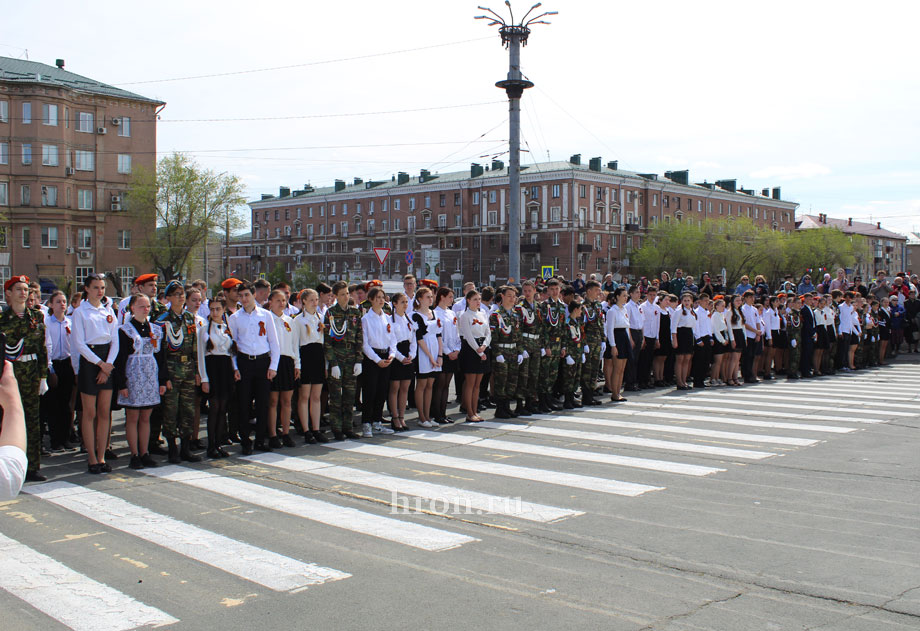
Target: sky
821, 98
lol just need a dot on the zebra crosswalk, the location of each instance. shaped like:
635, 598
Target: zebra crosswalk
522, 472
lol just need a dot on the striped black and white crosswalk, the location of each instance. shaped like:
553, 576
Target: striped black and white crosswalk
609, 453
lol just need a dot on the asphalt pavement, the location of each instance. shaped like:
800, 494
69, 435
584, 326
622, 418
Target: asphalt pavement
786, 505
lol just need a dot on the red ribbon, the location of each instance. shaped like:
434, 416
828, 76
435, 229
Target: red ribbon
287, 326
108, 319
261, 329
388, 328
439, 323
67, 328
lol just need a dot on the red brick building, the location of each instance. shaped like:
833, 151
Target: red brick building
575, 217
68, 145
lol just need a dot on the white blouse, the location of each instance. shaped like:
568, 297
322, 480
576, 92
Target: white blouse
472, 326
719, 326
378, 333
221, 341
95, 325
309, 327
404, 331
682, 318
450, 335
288, 338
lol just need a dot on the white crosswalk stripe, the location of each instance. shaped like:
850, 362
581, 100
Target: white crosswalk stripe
456, 497
69, 597
809, 393
264, 567
688, 405
584, 482
569, 454
725, 420
771, 402
407, 533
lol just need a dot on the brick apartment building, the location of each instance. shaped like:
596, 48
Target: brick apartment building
68, 145
575, 217
888, 250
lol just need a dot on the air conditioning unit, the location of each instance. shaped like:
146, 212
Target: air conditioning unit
70, 250
116, 206
101, 131
85, 254
116, 199
116, 121
68, 170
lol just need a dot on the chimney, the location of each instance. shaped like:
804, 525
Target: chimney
402, 178
307, 188
266, 196
284, 191
595, 164
729, 185
850, 221
339, 185
59, 63
678, 177
878, 225
576, 159
475, 170
776, 192
765, 192
613, 164
358, 181
497, 165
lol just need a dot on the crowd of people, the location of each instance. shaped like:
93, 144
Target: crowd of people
270, 361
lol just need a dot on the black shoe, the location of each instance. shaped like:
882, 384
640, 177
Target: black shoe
338, 435
521, 409
35, 476
632, 388
223, 452
156, 450
105, 467
553, 405
148, 462
533, 406
110, 455
543, 405
287, 441
174, 452
274, 442
136, 462
261, 446
350, 433
501, 411
94, 469
569, 403
309, 438
185, 453
320, 436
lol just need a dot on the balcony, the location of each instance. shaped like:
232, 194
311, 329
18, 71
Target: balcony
631, 227
585, 247
530, 248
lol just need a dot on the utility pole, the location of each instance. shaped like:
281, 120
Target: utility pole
514, 35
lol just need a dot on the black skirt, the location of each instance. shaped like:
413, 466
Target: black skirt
284, 378
721, 349
884, 333
470, 364
664, 345
740, 340
220, 375
608, 354
684, 340
621, 338
86, 379
312, 364
450, 365
780, 340
823, 341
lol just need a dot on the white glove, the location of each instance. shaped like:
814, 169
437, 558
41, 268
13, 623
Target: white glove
499, 359
521, 359
603, 347
793, 343
336, 372
542, 352
357, 369
584, 358
525, 355
42, 387
569, 360
587, 349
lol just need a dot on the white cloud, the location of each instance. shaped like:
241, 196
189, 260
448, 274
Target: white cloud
803, 170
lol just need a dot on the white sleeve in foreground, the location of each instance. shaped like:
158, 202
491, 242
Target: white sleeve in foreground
12, 471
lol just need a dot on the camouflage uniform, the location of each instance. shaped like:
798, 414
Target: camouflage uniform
794, 333
552, 320
25, 348
343, 348
529, 370
871, 350
593, 338
180, 345
506, 343
830, 356
573, 341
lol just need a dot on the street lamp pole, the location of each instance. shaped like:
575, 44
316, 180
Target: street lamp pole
514, 35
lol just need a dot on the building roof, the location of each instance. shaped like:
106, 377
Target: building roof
25, 72
526, 169
913, 238
848, 226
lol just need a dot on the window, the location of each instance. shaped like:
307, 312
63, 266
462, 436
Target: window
699, 205
555, 214
600, 194
475, 221
3, 244
396, 224
345, 208
534, 192
25, 195
26, 237
4, 193
411, 203
49, 155
344, 228
84, 199
26, 113
492, 197
49, 237
124, 163
85, 122
83, 160
85, 238
655, 199
50, 114
555, 238
383, 225
458, 220
476, 198
4, 153
124, 239
287, 213
395, 204
582, 190
493, 217
277, 233
82, 273
4, 111
322, 211
410, 224
299, 230
442, 200
125, 128
287, 231
442, 221
456, 199
556, 191
49, 195
126, 275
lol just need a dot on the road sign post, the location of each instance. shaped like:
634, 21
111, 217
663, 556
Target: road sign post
381, 254
546, 272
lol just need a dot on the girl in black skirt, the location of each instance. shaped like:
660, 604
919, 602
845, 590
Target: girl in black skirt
309, 325
475, 357
721, 340
664, 339
618, 341
736, 324
95, 334
821, 330
287, 375
402, 369
683, 323
216, 351
884, 329
450, 339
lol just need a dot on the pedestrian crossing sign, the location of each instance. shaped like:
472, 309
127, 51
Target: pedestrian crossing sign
546, 272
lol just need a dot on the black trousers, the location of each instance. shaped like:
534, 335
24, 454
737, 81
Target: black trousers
808, 352
54, 407
702, 360
747, 359
646, 357
253, 384
632, 363
843, 348
375, 388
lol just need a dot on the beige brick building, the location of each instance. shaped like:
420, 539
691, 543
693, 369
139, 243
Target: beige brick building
887, 249
68, 145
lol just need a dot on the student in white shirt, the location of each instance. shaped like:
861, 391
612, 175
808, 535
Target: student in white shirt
282, 386
217, 369
309, 325
12, 436
735, 320
475, 358
450, 341
56, 406
618, 340
702, 350
95, 339
651, 319
430, 349
379, 346
721, 342
753, 333
401, 369
683, 324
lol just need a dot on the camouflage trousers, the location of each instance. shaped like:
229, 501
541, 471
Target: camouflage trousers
178, 404
528, 377
342, 395
591, 367
549, 369
795, 355
505, 373
27, 376
571, 374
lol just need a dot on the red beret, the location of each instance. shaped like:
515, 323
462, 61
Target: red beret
8, 285
145, 278
230, 283
372, 283
431, 284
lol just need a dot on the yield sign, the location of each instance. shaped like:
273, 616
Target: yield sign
381, 254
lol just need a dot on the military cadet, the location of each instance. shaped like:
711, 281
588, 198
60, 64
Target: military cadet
231, 288
258, 354
193, 306
343, 348
24, 328
794, 337
180, 348
573, 345
529, 371
552, 320
594, 338
507, 352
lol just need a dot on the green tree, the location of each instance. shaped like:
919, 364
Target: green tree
277, 275
305, 277
184, 202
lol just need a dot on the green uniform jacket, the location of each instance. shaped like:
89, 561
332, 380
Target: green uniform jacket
343, 336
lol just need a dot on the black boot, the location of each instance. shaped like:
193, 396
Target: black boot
521, 409
185, 452
569, 403
543, 405
173, 451
553, 405
533, 406
508, 408
501, 409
